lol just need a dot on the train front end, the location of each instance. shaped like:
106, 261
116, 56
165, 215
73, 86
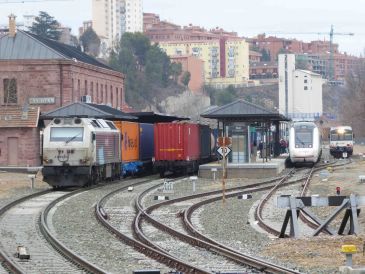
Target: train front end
67, 152
341, 141
304, 143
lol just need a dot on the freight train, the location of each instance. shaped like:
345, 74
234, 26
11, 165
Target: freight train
305, 143
83, 151
341, 141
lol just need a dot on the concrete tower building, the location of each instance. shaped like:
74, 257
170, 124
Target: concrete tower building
300, 91
112, 18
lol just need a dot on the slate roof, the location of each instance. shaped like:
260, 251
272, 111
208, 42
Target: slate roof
14, 116
28, 46
243, 110
80, 109
152, 117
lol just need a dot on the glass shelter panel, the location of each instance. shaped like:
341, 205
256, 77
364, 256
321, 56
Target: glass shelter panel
240, 147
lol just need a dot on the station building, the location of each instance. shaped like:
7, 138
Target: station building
247, 125
38, 75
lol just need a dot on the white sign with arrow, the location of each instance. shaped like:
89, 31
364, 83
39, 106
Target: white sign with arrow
224, 151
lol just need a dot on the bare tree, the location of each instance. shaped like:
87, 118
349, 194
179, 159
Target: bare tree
353, 107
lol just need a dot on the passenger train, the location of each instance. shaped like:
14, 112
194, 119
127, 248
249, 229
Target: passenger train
341, 141
83, 151
305, 143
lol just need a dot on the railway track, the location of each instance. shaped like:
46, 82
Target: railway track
24, 222
305, 185
254, 264
128, 236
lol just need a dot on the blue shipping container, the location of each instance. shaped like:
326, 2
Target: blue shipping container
146, 143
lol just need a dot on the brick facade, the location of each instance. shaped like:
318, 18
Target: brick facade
28, 146
65, 81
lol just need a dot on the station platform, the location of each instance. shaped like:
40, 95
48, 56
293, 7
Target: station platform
256, 170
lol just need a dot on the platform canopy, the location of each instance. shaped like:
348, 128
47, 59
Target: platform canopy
152, 117
241, 110
88, 110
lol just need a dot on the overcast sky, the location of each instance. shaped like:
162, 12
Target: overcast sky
248, 18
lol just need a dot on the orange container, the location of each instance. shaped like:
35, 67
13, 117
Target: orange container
129, 132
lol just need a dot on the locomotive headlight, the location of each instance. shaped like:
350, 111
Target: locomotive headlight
47, 161
296, 146
85, 160
310, 146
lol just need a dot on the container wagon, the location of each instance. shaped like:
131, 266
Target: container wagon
146, 147
177, 147
80, 151
130, 145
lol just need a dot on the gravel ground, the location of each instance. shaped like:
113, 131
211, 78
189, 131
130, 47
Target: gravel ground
230, 222
89, 239
319, 254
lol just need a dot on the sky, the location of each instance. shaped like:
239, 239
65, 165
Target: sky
282, 18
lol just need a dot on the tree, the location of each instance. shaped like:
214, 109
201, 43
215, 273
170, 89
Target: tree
46, 26
186, 78
147, 68
91, 42
353, 106
265, 55
176, 69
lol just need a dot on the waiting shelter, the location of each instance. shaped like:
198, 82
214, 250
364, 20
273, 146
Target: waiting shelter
251, 128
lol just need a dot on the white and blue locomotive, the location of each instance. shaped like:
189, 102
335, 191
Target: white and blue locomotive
80, 151
305, 143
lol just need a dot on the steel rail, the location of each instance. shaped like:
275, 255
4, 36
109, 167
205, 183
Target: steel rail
206, 242
140, 246
4, 257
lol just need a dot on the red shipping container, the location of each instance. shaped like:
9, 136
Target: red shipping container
176, 142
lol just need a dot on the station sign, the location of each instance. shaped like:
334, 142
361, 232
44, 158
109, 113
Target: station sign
41, 100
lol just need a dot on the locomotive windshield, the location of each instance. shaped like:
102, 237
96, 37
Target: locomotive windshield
341, 135
67, 134
304, 136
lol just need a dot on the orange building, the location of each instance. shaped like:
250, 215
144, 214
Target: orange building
196, 68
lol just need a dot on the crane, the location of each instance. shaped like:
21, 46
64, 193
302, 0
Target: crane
331, 63
330, 72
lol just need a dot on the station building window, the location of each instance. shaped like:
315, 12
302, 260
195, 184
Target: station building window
10, 91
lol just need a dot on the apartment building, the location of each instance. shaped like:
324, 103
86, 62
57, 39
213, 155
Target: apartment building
343, 64
300, 91
226, 60
112, 18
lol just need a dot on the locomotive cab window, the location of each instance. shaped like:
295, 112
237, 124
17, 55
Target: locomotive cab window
345, 135
304, 136
68, 134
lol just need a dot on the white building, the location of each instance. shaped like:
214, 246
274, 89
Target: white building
112, 18
300, 91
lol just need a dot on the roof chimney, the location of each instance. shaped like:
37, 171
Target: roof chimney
12, 25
